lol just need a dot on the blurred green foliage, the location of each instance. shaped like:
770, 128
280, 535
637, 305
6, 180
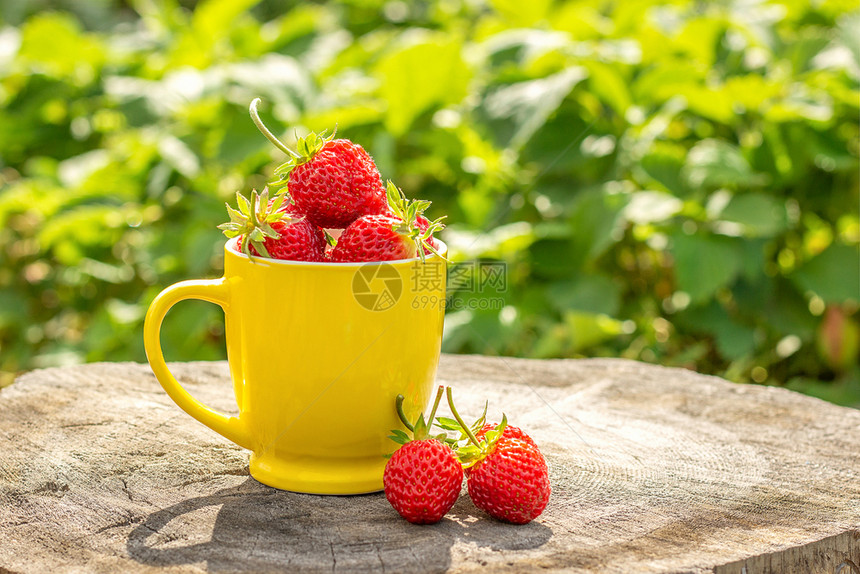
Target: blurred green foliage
675, 182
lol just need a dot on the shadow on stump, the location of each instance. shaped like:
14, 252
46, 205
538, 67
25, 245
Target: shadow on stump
260, 528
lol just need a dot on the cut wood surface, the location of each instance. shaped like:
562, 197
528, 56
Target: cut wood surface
653, 470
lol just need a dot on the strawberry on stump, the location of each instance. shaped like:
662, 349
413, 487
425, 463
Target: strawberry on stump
423, 477
506, 476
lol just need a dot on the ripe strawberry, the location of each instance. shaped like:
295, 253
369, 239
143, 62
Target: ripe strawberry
272, 229
300, 240
423, 477
511, 482
374, 238
333, 182
397, 235
336, 183
506, 476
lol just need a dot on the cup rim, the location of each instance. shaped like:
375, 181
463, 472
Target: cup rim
230, 247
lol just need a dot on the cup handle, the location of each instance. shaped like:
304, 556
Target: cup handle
215, 291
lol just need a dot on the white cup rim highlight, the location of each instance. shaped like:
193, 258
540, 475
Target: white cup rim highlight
231, 246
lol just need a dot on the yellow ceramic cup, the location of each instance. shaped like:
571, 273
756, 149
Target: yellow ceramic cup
317, 353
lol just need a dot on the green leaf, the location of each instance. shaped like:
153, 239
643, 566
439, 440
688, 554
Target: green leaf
833, 274
211, 24
704, 263
267, 230
787, 311
589, 293
235, 216
244, 204
848, 28
186, 329
554, 258
715, 163
515, 112
13, 309
277, 203
758, 214
522, 14
71, 232
608, 84
230, 230
479, 422
260, 246
421, 430
493, 435
179, 155
399, 436
52, 42
448, 423
429, 72
586, 330
699, 38
651, 207
596, 222
845, 391
734, 339
663, 164
522, 48
714, 104
802, 104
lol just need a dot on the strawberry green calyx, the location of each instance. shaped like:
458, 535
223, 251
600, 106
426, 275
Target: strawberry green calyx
253, 220
408, 211
449, 424
420, 429
475, 450
308, 147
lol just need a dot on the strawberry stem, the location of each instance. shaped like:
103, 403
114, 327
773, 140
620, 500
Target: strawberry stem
398, 404
460, 420
439, 392
265, 131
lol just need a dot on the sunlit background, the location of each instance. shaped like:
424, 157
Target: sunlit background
673, 182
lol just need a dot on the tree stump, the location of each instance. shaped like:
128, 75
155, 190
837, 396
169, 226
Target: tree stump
653, 470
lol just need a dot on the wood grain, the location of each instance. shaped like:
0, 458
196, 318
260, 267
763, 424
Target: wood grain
653, 470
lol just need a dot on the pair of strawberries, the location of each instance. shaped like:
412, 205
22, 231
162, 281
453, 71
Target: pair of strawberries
329, 184
506, 474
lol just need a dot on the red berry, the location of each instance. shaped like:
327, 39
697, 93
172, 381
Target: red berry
422, 480
271, 228
337, 185
507, 476
511, 483
298, 241
374, 238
